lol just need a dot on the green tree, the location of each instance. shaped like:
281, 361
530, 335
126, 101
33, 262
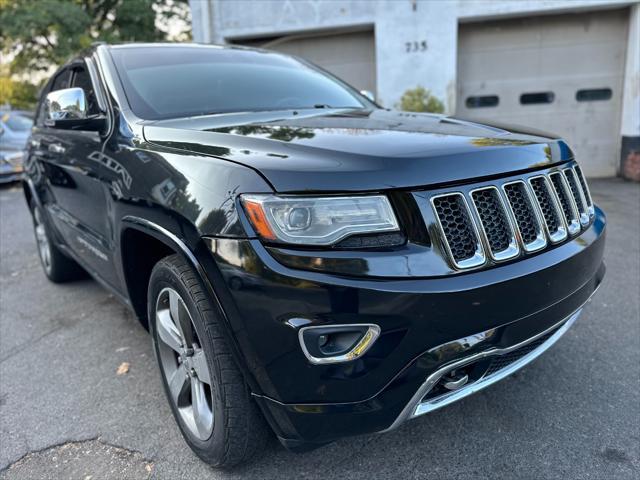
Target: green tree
419, 99
21, 95
38, 34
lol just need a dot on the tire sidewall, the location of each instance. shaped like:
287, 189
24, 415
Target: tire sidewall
48, 271
164, 276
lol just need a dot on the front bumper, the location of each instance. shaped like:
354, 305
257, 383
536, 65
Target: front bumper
428, 325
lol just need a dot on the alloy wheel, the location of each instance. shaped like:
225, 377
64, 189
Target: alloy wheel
184, 364
44, 248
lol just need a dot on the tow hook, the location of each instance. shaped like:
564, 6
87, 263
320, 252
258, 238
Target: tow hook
455, 380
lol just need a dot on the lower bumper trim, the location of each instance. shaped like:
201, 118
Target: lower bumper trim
418, 405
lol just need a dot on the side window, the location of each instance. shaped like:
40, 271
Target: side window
82, 79
61, 81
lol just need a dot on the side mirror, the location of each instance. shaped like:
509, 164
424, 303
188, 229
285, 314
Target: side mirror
67, 109
369, 95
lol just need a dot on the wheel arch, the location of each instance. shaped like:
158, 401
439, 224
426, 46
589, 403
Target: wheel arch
171, 244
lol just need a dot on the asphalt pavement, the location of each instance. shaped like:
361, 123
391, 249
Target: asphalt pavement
65, 412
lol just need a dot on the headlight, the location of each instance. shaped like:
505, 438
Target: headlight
318, 220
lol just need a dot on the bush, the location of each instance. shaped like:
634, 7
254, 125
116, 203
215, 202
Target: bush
419, 99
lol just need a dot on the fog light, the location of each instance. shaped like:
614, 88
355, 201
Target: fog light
337, 343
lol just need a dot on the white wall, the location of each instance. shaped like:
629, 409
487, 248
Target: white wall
630, 125
398, 23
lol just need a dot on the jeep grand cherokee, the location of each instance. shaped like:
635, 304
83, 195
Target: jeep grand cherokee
307, 262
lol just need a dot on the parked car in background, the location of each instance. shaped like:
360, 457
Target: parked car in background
11, 165
15, 128
308, 263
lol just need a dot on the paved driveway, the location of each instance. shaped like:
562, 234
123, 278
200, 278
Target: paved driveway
65, 413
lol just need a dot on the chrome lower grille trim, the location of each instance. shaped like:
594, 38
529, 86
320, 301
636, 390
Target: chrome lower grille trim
417, 407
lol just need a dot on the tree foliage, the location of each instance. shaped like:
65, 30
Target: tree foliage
419, 99
19, 95
38, 34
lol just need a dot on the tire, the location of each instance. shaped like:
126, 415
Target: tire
56, 265
223, 426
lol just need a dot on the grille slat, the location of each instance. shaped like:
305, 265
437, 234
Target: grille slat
527, 222
460, 235
585, 189
576, 192
495, 223
566, 202
549, 208
505, 218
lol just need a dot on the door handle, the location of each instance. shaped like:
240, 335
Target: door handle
56, 148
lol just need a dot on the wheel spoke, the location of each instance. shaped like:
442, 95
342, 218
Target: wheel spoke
180, 317
177, 384
201, 412
168, 331
201, 367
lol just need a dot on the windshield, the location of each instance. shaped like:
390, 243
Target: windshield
16, 122
184, 81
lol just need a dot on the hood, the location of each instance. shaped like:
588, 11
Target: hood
347, 150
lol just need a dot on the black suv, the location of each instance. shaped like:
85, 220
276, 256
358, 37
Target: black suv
306, 261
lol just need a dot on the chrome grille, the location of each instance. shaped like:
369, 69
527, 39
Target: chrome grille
566, 202
585, 189
528, 221
495, 223
460, 234
505, 219
578, 196
550, 210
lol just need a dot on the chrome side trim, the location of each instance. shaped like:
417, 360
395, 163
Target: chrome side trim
358, 350
479, 257
513, 249
561, 233
541, 240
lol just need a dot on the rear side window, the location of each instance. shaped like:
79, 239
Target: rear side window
593, 94
537, 97
482, 101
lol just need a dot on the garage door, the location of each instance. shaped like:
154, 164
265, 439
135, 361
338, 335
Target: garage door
561, 74
349, 56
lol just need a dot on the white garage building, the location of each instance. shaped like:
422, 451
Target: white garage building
567, 66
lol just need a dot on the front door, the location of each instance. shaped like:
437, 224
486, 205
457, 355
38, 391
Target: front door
68, 159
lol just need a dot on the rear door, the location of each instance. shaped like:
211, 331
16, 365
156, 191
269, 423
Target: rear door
70, 162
